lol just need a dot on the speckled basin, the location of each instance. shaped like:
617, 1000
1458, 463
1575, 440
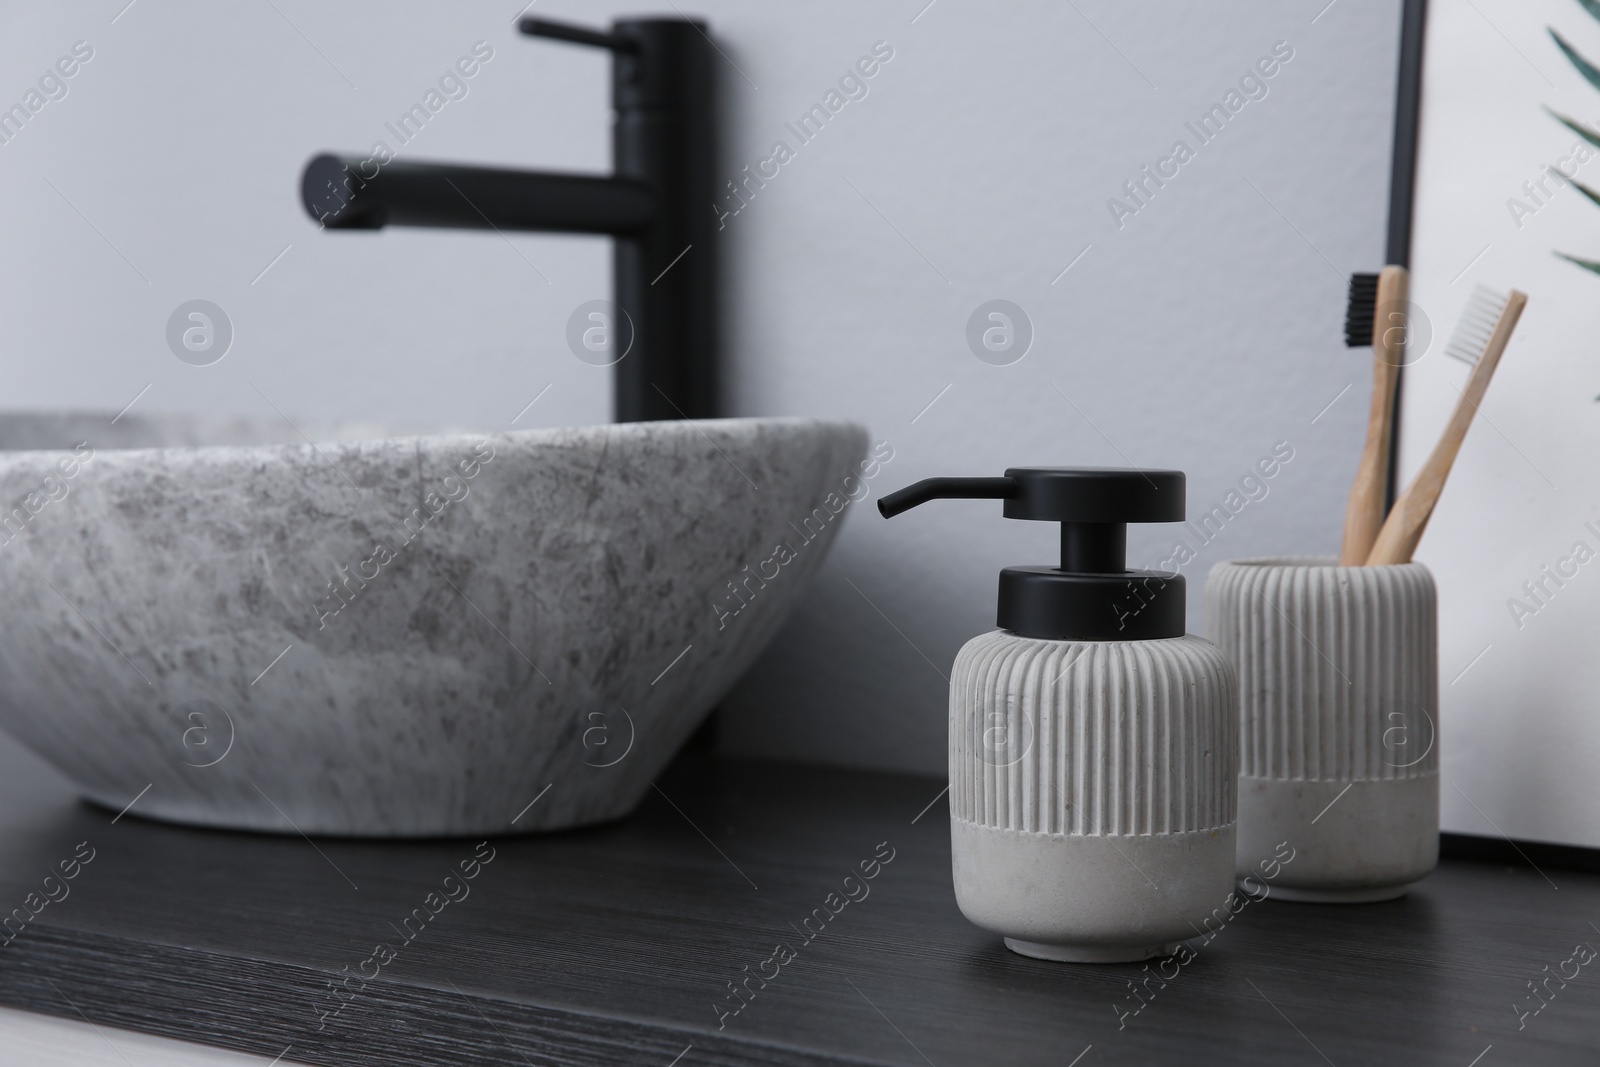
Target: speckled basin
438, 635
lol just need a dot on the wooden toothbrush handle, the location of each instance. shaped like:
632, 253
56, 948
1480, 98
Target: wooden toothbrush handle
1363, 515
1398, 540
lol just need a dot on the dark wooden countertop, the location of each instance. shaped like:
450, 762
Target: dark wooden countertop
616, 946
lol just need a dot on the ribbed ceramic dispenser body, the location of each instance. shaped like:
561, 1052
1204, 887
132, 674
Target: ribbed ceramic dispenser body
1339, 702
1092, 792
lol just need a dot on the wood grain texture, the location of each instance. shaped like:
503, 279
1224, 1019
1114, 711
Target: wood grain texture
1363, 516
1397, 541
610, 946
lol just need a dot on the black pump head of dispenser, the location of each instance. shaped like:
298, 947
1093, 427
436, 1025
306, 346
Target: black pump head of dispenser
1092, 596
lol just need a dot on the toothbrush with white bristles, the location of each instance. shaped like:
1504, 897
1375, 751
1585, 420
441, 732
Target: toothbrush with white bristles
1479, 340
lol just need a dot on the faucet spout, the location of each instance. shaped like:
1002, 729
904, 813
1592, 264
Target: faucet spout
658, 208
339, 193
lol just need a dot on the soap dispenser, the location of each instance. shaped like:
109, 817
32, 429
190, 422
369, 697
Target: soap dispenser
1093, 743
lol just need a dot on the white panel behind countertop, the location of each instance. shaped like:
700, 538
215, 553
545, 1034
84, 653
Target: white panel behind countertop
1520, 737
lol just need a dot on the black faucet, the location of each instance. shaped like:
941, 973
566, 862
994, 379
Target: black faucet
657, 207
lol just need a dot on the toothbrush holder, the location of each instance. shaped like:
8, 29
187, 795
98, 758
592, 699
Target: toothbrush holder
1339, 713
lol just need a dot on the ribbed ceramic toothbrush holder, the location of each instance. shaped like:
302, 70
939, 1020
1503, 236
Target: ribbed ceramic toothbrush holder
1338, 726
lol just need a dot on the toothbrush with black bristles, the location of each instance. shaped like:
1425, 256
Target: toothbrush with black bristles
1375, 315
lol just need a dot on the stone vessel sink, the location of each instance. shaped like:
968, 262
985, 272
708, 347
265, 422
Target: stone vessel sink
394, 636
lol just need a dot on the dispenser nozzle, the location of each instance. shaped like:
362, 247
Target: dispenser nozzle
946, 489
1092, 595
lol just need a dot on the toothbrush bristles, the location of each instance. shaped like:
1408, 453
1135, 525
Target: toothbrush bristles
1471, 337
1360, 309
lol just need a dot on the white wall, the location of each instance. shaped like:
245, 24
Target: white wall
1200, 333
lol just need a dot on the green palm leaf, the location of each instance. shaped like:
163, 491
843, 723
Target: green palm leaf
1586, 191
1576, 127
1586, 264
1590, 72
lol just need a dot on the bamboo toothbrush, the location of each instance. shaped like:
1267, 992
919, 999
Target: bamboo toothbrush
1375, 315
1479, 340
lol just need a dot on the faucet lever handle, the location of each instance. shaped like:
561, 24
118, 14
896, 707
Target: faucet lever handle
565, 31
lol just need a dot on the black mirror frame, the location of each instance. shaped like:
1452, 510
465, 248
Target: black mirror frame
1403, 179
